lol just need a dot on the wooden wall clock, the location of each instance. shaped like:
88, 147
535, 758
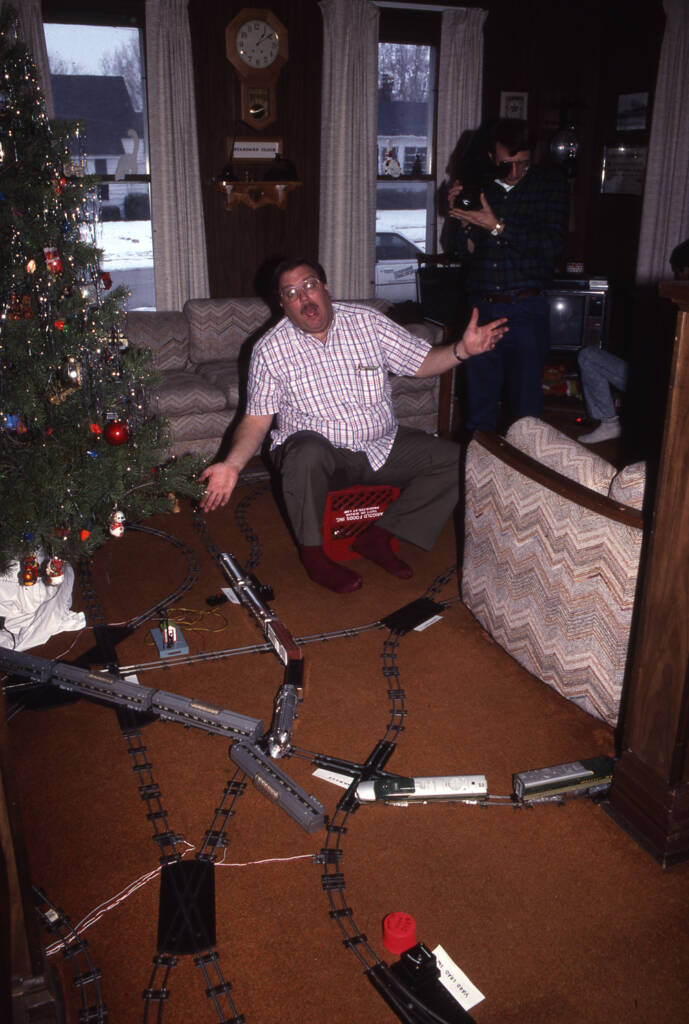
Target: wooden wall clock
256, 45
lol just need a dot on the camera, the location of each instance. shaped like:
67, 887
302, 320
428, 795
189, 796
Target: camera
469, 198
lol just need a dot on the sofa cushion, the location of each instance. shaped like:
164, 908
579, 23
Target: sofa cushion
224, 375
165, 333
415, 401
193, 426
629, 484
557, 451
219, 327
182, 392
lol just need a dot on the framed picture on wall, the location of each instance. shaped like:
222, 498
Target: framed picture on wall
632, 112
514, 104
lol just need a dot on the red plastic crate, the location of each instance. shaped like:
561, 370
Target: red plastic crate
348, 512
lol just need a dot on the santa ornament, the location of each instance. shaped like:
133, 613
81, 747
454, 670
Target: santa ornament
55, 572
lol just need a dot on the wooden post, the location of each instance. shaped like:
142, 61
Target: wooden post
650, 790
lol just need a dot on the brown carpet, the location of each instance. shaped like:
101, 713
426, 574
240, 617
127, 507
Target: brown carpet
553, 912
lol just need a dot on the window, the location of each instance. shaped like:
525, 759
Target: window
97, 78
405, 192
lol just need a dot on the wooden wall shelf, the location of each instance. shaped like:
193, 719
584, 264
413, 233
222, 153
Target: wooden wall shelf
257, 193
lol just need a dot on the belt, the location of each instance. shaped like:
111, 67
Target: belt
527, 293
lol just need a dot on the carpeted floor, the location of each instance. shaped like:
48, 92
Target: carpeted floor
553, 912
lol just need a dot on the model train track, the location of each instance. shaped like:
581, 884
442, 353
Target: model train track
169, 843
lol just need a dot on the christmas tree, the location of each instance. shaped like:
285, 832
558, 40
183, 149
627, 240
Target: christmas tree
78, 451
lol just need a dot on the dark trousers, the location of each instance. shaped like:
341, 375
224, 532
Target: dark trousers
426, 468
515, 365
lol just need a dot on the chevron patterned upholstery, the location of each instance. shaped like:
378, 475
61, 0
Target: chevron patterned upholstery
551, 580
201, 355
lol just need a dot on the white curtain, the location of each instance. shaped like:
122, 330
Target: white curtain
31, 32
349, 114
665, 214
179, 243
460, 80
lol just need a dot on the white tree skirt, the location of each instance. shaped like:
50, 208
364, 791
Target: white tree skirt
34, 614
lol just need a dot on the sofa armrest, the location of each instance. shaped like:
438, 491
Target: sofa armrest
556, 482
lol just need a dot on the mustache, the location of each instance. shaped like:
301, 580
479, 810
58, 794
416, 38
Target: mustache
308, 307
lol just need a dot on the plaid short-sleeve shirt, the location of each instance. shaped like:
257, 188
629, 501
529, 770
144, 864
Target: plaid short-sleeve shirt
339, 389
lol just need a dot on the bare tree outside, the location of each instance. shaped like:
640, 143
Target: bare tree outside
61, 66
126, 61
404, 71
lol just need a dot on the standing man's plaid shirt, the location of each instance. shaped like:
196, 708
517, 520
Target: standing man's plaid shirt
536, 217
339, 389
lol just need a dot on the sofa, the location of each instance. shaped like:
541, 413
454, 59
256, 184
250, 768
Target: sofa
201, 356
553, 538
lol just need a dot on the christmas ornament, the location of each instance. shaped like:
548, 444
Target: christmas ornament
70, 372
52, 259
96, 429
15, 425
116, 432
54, 572
117, 521
84, 535
60, 324
30, 571
15, 310
106, 279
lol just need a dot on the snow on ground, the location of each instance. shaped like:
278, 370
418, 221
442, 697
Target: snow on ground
125, 243
128, 244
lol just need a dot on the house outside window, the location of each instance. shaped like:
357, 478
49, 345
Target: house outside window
405, 191
97, 78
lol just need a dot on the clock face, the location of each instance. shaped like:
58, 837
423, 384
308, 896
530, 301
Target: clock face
257, 43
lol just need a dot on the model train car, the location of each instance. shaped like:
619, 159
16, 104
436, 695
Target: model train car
113, 689
278, 787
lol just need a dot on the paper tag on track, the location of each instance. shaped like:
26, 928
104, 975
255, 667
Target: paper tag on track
429, 622
456, 981
336, 778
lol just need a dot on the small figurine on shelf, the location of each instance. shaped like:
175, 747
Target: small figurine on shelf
55, 571
391, 164
30, 571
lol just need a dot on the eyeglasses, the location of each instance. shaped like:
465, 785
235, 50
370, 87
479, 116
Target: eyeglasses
307, 286
505, 167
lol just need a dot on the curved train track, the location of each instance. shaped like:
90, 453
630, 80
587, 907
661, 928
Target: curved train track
332, 880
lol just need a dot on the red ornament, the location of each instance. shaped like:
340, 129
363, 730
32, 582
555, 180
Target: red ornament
106, 278
116, 432
96, 428
52, 259
85, 534
60, 324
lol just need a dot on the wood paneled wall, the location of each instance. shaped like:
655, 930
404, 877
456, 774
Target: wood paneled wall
573, 60
243, 243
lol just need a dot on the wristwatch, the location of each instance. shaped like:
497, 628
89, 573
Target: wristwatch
499, 228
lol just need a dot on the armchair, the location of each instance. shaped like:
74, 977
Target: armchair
553, 537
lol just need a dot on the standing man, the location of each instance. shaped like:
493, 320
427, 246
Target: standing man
323, 372
514, 242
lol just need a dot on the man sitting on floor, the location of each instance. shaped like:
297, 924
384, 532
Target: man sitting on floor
323, 371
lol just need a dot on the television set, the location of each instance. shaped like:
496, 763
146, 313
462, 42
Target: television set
579, 312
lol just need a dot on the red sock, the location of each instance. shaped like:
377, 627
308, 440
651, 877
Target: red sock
329, 574
374, 544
